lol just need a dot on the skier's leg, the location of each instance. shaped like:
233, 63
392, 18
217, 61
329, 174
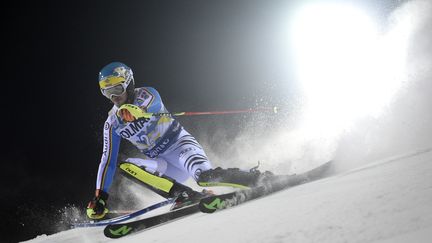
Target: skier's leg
176, 173
161, 167
150, 165
151, 173
187, 155
186, 159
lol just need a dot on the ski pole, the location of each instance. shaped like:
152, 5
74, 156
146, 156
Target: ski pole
121, 211
199, 113
139, 113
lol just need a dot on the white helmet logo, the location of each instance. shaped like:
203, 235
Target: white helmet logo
121, 71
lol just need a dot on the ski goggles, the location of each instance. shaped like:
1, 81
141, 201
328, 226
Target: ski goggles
113, 86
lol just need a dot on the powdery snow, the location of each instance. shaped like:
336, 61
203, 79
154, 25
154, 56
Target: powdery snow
387, 201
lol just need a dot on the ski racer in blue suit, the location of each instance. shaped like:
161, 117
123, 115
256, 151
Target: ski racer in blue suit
168, 151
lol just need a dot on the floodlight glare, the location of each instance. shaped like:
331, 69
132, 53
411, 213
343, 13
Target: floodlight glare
343, 65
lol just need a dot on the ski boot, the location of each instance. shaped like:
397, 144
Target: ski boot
234, 177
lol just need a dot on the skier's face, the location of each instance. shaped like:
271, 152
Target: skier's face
119, 100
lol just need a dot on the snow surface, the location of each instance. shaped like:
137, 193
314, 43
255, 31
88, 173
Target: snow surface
386, 201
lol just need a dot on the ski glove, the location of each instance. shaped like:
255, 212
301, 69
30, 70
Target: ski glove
96, 208
130, 113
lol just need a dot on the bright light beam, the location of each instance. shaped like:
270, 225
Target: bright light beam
346, 69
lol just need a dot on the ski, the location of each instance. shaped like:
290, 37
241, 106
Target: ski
118, 230
218, 202
123, 217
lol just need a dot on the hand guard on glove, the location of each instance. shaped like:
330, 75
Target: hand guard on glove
130, 113
96, 208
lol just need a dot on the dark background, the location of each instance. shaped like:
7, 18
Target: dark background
200, 55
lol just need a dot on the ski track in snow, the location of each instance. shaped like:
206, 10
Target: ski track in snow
386, 201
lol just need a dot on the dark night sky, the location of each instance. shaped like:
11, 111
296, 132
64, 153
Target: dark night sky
200, 55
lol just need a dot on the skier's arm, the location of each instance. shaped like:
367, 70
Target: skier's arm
97, 207
107, 166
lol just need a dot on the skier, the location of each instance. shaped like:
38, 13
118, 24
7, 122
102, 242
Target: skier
169, 154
